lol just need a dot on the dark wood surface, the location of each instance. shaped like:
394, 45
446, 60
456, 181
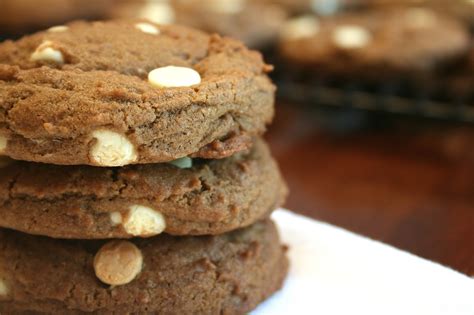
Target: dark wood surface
403, 182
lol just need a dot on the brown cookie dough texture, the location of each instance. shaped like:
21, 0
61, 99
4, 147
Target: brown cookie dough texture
226, 274
17, 16
129, 92
374, 42
83, 202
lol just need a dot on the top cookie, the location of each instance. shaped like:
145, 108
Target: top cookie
129, 92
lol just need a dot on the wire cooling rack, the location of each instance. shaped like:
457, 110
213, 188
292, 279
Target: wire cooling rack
382, 100
445, 97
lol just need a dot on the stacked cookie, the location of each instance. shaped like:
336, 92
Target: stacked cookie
146, 129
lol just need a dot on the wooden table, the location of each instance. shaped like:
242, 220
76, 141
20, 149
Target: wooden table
409, 184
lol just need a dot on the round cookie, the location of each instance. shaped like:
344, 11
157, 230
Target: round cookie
83, 202
225, 274
459, 9
157, 11
254, 22
393, 42
18, 16
320, 7
87, 94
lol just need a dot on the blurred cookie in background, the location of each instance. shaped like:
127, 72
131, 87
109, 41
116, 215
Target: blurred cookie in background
19, 16
460, 9
157, 11
257, 23
378, 44
320, 7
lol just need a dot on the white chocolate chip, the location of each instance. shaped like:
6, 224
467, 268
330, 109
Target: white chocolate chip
147, 28
325, 7
225, 6
302, 27
351, 37
3, 143
116, 218
161, 13
172, 76
3, 288
420, 18
118, 263
45, 52
58, 29
112, 149
143, 221
184, 162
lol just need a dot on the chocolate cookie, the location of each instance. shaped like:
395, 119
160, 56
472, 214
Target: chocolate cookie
156, 11
18, 16
366, 44
225, 274
192, 197
321, 7
255, 22
129, 92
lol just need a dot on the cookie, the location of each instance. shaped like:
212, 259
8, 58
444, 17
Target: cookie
459, 9
225, 274
129, 92
191, 197
256, 23
320, 7
156, 11
365, 44
18, 16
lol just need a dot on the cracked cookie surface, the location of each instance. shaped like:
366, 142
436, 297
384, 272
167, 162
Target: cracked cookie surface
63, 89
84, 202
225, 274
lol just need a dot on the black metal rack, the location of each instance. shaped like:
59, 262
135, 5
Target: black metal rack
440, 97
380, 100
